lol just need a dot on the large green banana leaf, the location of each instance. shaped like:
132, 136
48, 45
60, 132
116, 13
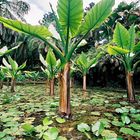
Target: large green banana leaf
82, 61
97, 15
36, 31
50, 58
5, 50
115, 50
13, 63
132, 37
121, 36
70, 14
93, 62
40, 32
136, 48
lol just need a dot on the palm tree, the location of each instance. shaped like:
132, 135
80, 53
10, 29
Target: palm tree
70, 24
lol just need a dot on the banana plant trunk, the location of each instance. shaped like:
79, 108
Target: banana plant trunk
64, 104
1, 84
71, 82
84, 83
130, 86
8, 82
47, 83
52, 87
13, 83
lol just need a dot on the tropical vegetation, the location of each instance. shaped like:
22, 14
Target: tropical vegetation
43, 68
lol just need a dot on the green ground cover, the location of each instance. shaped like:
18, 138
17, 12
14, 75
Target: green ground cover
30, 114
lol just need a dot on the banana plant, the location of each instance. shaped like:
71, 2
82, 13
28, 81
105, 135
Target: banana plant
33, 75
70, 24
12, 70
2, 77
5, 50
52, 67
126, 50
72, 72
84, 63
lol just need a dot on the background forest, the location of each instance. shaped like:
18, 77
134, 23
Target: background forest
107, 73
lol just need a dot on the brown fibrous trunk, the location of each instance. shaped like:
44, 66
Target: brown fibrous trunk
64, 80
13, 83
8, 82
1, 84
130, 86
71, 82
84, 83
52, 87
47, 82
